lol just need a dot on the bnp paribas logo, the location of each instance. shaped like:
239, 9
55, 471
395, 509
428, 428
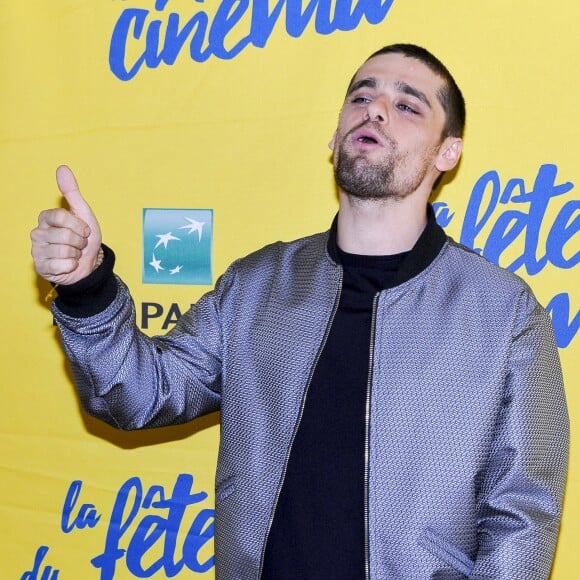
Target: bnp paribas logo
177, 246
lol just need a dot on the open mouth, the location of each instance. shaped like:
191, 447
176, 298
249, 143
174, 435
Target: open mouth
367, 137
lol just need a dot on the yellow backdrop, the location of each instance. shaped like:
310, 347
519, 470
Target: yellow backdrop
216, 105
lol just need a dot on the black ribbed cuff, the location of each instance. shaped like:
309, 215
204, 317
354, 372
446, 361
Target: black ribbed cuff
92, 294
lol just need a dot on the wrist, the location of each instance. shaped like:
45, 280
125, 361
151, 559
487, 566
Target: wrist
93, 293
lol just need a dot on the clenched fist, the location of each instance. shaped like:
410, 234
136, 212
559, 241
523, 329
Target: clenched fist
66, 243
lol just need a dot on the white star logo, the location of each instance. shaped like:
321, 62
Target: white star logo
193, 226
164, 239
156, 264
175, 270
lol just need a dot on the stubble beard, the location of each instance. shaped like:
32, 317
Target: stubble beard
361, 179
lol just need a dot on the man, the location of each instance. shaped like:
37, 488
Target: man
391, 403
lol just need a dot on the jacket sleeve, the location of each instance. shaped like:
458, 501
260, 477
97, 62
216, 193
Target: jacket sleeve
520, 497
133, 381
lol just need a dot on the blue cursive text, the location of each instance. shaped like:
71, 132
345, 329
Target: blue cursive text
158, 37
156, 533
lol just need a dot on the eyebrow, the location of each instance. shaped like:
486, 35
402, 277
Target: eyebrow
369, 83
400, 86
406, 88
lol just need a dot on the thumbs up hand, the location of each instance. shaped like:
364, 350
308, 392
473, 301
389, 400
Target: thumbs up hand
66, 243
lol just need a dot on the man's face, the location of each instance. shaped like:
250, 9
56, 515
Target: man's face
388, 142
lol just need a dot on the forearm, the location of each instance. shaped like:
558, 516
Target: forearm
133, 381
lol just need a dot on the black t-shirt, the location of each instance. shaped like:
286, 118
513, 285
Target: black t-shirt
318, 531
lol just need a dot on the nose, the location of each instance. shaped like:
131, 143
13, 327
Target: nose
377, 111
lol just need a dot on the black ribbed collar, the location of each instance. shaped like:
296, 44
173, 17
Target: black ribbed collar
421, 255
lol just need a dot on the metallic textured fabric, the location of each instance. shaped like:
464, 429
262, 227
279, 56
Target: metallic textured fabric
468, 420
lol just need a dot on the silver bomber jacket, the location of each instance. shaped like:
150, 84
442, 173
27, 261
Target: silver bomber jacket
467, 430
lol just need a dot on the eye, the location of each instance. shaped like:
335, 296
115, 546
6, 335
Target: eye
407, 109
360, 100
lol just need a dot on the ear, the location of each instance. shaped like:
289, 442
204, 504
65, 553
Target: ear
449, 153
332, 142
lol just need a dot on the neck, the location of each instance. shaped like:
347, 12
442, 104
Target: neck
380, 227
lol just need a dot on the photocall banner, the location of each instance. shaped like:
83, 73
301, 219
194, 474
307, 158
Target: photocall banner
198, 131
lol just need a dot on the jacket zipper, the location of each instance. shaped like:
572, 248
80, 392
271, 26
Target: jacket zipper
279, 490
367, 437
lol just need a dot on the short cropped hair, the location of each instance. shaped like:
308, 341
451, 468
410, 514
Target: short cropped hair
449, 96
